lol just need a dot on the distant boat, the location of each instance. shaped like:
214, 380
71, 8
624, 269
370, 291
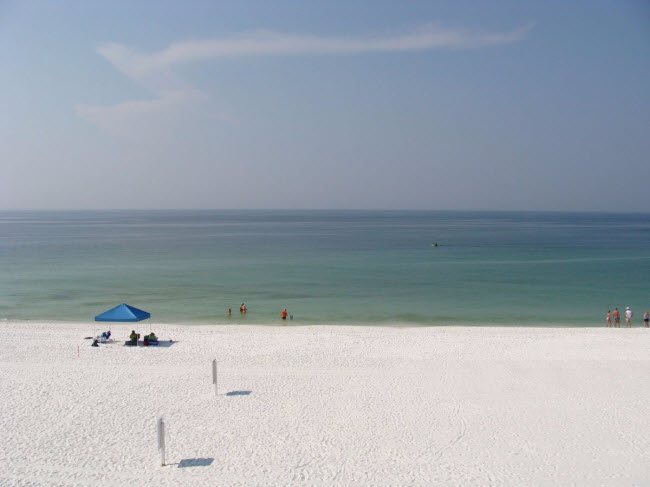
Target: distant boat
435, 244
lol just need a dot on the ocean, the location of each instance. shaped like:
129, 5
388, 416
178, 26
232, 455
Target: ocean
339, 267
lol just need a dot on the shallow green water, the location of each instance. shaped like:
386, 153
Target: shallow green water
326, 266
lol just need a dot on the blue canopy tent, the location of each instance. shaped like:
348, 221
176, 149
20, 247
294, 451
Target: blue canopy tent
124, 313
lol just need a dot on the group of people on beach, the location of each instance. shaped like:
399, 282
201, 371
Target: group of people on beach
243, 309
628, 318
148, 339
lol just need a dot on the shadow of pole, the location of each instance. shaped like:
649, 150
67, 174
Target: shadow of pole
195, 462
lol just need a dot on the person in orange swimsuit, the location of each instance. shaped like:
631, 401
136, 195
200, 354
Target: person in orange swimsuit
284, 314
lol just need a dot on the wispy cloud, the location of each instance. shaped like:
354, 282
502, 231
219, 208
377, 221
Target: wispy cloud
431, 36
155, 71
131, 117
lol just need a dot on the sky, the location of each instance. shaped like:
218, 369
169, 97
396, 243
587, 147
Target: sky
541, 106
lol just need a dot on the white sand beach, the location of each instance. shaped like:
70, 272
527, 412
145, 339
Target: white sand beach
325, 405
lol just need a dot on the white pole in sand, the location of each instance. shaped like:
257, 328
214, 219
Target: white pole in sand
214, 376
161, 440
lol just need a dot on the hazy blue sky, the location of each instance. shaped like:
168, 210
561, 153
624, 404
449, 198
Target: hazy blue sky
375, 104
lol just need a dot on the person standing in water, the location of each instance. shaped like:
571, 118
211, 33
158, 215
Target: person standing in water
284, 314
646, 317
242, 308
609, 319
617, 318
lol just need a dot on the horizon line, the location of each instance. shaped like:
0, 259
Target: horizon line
396, 210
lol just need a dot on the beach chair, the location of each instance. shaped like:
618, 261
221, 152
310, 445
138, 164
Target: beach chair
104, 337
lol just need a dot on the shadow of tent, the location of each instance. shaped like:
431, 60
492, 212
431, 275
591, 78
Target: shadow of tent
238, 393
160, 344
195, 462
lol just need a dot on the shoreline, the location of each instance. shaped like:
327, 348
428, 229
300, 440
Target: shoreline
301, 324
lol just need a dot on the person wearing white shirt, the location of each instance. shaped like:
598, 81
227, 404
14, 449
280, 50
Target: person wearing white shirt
628, 317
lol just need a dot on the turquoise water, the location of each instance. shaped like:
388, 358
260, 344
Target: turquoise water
326, 266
